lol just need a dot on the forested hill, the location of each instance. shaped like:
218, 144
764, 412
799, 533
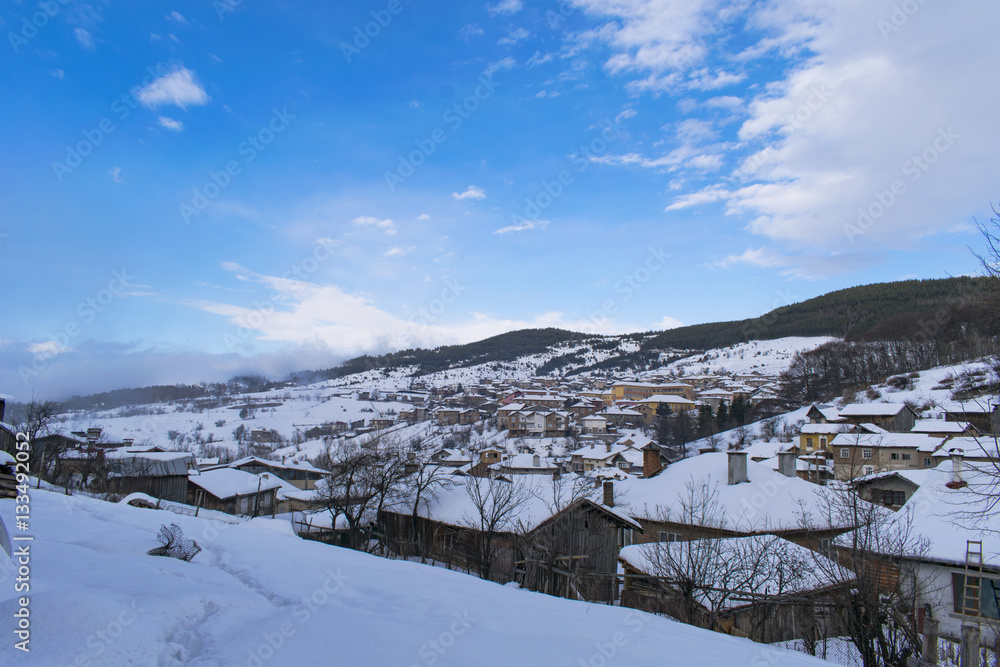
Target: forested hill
882, 311
504, 347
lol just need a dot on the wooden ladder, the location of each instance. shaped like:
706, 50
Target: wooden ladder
973, 577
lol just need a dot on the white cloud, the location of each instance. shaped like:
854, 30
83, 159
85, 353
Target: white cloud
179, 87
84, 38
57, 73
539, 59
505, 7
470, 30
667, 323
502, 64
423, 216
116, 175
513, 37
759, 257
523, 227
48, 349
861, 100
728, 102
472, 192
399, 251
386, 224
327, 316
176, 16
171, 124
707, 196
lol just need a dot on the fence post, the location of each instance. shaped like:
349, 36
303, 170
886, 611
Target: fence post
930, 648
969, 656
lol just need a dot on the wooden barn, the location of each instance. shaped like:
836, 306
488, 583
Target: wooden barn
162, 475
234, 492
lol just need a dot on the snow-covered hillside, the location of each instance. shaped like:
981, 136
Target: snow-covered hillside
768, 357
256, 595
185, 424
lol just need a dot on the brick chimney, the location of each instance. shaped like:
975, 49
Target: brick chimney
609, 493
786, 463
737, 467
651, 460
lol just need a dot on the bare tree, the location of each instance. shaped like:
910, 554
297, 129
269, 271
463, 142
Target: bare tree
496, 504
366, 479
35, 419
423, 486
878, 583
770, 428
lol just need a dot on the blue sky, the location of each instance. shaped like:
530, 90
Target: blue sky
189, 190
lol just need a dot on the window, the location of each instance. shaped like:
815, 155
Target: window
666, 536
823, 545
964, 598
927, 462
866, 453
894, 456
906, 457
809, 443
868, 470
889, 497
845, 453
244, 504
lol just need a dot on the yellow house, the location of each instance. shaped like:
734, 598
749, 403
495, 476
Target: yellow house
649, 406
637, 391
817, 437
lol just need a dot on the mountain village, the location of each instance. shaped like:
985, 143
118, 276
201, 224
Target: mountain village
680, 490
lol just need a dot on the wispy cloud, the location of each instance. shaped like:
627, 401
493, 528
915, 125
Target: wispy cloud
513, 37
505, 7
367, 221
470, 30
116, 175
84, 38
522, 227
399, 251
472, 192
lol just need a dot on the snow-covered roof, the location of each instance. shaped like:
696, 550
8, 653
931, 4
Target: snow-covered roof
526, 461
6, 459
668, 398
947, 517
821, 429
126, 463
228, 482
916, 477
872, 409
768, 501
454, 505
303, 466
918, 441
599, 452
982, 406
973, 447
938, 426
760, 564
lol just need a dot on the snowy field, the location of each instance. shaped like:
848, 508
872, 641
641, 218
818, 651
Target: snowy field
256, 595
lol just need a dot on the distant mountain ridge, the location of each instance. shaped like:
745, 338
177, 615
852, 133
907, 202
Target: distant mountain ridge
881, 311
